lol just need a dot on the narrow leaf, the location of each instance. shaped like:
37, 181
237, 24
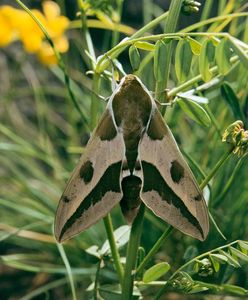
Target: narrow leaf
240, 52
183, 59
195, 112
198, 289
219, 257
195, 46
237, 290
160, 56
238, 254
156, 272
230, 260
243, 246
145, 46
134, 57
190, 96
222, 56
215, 263
121, 235
205, 58
232, 100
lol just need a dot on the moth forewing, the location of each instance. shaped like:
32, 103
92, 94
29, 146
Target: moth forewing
95, 185
169, 187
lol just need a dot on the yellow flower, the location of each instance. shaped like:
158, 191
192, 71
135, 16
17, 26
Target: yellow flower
46, 54
56, 25
29, 32
17, 24
7, 31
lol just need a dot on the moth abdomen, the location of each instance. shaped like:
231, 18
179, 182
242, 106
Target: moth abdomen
130, 202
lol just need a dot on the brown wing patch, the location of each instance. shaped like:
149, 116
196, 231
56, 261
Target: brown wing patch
177, 171
86, 171
156, 129
106, 128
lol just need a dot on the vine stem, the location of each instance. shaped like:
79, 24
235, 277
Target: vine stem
221, 161
115, 254
170, 27
132, 250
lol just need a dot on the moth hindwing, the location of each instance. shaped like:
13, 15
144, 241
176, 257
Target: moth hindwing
131, 157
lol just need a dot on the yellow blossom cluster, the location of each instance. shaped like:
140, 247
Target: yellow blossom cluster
16, 24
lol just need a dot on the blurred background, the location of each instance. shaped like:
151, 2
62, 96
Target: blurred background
42, 136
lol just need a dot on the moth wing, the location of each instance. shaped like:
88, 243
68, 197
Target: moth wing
169, 188
95, 185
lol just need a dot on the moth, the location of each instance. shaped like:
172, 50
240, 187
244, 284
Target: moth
131, 157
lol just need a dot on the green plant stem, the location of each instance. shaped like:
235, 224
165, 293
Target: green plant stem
223, 159
68, 269
113, 247
86, 34
132, 250
116, 33
96, 280
94, 109
213, 20
206, 11
170, 27
60, 62
154, 249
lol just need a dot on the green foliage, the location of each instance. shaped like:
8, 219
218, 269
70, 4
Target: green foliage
45, 126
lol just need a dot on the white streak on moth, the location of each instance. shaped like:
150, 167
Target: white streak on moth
131, 157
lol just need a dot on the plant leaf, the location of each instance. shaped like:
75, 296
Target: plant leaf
243, 246
160, 56
232, 100
183, 59
239, 51
215, 263
222, 55
230, 260
195, 112
219, 257
237, 290
134, 57
145, 46
195, 46
188, 95
205, 58
121, 235
156, 272
238, 254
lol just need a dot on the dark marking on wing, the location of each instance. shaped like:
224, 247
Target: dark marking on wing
198, 197
176, 171
156, 129
106, 129
86, 171
153, 181
65, 199
110, 181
